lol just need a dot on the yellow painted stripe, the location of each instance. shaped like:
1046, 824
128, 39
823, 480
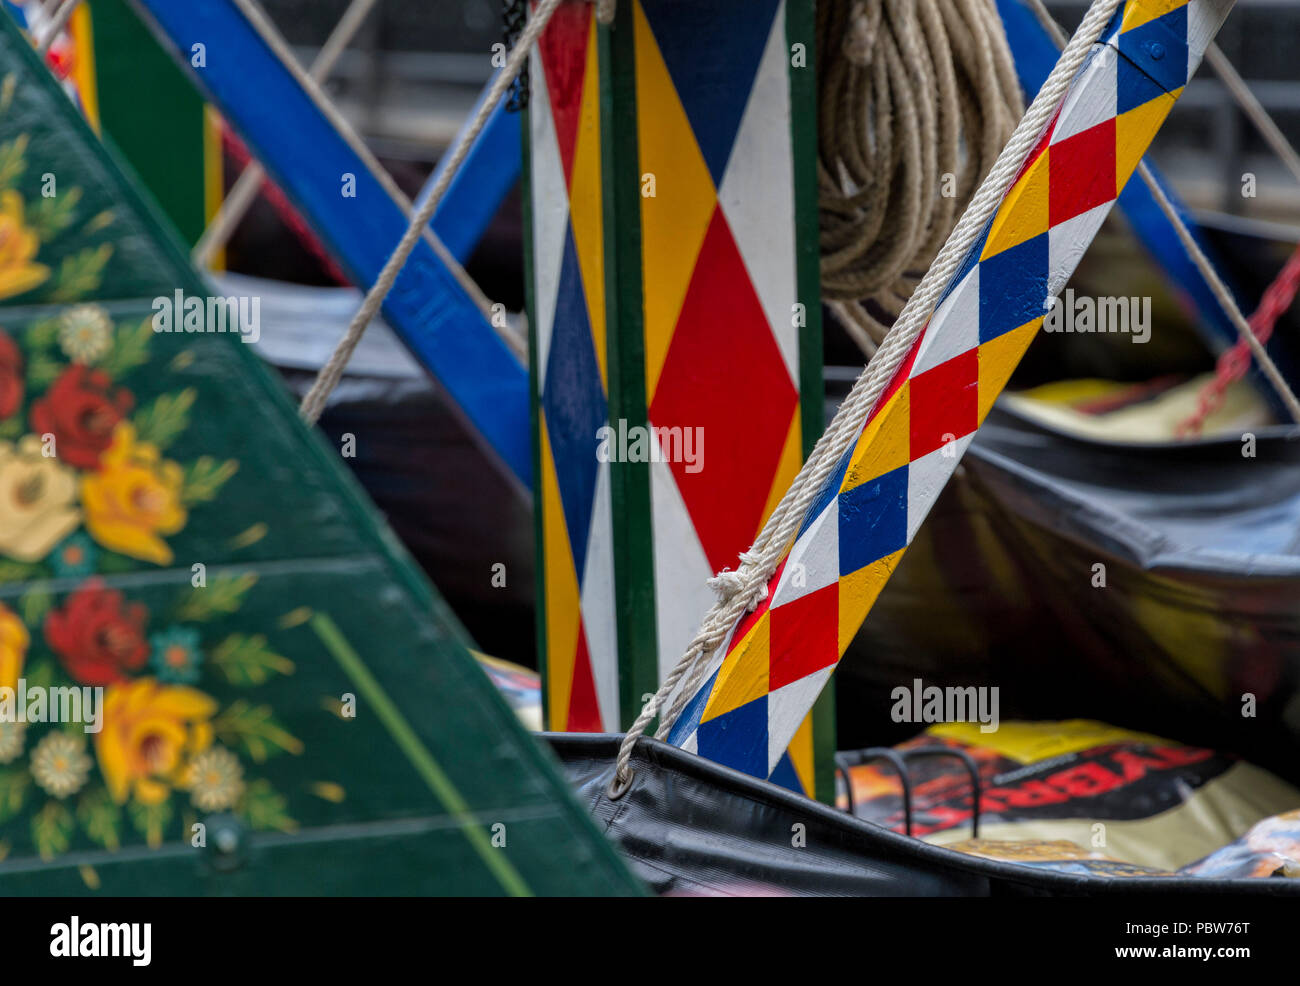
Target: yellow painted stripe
425, 764
213, 178
585, 204
83, 68
675, 219
563, 605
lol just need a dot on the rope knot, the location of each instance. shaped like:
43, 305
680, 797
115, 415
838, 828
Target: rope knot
728, 584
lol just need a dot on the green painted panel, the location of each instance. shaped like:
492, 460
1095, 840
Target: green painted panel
312, 703
152, 114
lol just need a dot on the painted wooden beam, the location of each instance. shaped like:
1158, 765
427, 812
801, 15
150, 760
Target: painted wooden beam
488, 174
300, 148
777, 660
577, 628
141, 93
675, 264
1035, 53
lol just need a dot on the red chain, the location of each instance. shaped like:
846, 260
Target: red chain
283, 208
1235, 361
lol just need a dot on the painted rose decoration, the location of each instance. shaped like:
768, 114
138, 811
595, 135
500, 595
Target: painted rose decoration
92, 498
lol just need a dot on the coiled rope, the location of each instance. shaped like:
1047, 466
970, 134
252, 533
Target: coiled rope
915, 100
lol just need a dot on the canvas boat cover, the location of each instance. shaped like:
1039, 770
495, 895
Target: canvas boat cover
690, 826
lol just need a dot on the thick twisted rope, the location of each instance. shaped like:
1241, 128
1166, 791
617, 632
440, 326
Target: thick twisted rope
330, 374
916, 98
743, 589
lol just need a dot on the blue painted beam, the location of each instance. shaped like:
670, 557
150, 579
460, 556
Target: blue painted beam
1035, 53
308, 158
489, 172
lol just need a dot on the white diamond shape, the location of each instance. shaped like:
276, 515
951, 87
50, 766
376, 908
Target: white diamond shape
786, 709
682, 570
1068, 241
757, 194
926, 478
550, 213
954, 327
598, 613
1092, 98
814, 563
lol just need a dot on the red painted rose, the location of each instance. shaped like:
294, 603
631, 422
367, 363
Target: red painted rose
98, 639
11, 376
81, 410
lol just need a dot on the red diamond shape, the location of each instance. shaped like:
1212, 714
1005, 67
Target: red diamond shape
943, 402
1081, 172
723, 374
584, 710
1044, 142
804, 636
563, 47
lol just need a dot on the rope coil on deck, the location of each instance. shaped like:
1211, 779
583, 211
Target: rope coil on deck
915, 100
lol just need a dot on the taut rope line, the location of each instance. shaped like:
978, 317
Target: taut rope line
275, 41
332, 371
1237, 86
244, 191
58, 22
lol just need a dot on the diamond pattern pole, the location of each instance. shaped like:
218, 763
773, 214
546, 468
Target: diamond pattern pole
676, 304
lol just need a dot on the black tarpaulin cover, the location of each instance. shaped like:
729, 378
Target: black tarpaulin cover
690, 826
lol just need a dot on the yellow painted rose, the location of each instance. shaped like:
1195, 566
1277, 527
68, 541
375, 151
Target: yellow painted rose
18, 246
150, 734
13, 647
134, 498
37, 500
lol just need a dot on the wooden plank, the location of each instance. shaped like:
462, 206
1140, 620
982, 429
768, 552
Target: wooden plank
778, 659
577, 627
710, 287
